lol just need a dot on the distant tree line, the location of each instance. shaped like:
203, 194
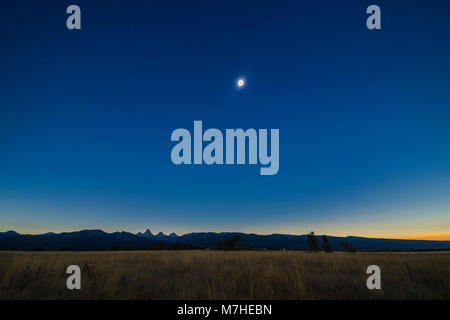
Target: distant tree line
229, 244
313, 244
160, 245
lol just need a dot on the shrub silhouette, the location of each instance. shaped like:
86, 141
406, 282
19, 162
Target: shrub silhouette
158, 245
178, 246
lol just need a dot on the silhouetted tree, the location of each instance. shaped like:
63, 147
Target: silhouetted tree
351, 248
236, 242
312, 241
344, 245
326, 245
348, 247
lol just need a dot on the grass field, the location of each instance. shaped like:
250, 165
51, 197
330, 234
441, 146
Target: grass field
224, 275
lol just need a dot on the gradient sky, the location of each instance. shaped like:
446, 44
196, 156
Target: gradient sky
364, 116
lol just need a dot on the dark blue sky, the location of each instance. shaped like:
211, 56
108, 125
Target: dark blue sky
86, 116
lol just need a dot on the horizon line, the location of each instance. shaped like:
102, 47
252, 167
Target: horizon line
437, 236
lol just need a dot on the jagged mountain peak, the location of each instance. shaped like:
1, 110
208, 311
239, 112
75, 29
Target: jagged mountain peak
146, 234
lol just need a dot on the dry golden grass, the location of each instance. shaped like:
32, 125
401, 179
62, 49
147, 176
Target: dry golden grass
223, 275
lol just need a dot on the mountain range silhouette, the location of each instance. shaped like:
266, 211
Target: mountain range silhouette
91, 240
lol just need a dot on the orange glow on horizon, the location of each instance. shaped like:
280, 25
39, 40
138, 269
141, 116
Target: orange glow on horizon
444, 236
